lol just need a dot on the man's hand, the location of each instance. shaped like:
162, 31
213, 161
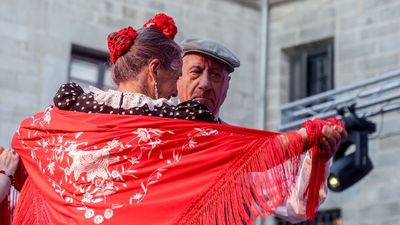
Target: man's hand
8, 161
332, 137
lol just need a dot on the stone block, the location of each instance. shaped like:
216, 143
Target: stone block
317, 32
359, 21
389, 44
380, 31
362, 50
392, 12
374, 4
390, 61
8, 79
284, 40
380, 210
347, 38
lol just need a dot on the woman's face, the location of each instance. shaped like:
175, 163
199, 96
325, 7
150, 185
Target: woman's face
166, 82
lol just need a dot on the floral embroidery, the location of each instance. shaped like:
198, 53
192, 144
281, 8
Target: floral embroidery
93, 172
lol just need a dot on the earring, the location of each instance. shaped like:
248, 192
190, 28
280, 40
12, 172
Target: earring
156, 90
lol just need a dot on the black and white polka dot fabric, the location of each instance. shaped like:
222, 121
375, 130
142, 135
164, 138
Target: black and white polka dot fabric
72, 97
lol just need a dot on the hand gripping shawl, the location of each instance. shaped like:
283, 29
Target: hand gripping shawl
116, 169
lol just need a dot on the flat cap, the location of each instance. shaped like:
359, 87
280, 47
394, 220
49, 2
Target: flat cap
213, 49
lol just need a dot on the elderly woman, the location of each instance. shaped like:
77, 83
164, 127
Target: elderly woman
107, 156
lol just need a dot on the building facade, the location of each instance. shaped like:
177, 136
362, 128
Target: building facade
313, 46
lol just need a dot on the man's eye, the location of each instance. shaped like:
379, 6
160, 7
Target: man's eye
216, 76
195, 72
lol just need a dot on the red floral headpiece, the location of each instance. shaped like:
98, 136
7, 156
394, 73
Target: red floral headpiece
120, 42
164, 23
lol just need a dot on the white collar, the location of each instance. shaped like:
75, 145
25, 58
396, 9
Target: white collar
112, 98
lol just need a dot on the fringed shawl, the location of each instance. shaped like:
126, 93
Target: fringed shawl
116, 169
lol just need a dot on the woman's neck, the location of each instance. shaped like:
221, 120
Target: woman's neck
135, 86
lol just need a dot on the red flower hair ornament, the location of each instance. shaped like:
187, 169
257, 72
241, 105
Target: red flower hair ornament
121, 41
164, 23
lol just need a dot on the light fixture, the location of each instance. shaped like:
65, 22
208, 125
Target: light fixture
348, 168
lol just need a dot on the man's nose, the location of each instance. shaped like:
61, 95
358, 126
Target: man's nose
205, 82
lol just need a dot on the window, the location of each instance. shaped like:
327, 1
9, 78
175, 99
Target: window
327, 217
311, 69
89, 67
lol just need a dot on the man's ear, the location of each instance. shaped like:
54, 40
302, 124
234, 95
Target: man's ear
153, 68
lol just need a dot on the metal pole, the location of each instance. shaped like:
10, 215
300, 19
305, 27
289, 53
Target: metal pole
263, 63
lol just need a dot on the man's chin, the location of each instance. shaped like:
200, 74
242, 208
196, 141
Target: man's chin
205, 102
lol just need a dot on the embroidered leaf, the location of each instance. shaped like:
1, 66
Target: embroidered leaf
97, 200
78, 135
143, 187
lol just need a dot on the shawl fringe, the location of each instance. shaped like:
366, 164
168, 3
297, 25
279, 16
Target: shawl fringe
240, 194
30, 213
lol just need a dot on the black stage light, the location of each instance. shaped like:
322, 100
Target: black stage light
347, 169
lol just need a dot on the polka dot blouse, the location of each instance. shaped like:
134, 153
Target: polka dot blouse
72, 97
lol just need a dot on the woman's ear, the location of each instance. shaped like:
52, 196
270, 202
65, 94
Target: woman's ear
154, 67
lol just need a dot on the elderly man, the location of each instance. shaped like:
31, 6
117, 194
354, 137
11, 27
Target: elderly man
205, 73
205, 76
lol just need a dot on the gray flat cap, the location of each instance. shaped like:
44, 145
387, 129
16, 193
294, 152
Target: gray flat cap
213, 49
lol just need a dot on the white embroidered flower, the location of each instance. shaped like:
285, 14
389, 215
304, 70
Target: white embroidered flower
114, 143
50, 168
98, 219
108, 213
87, 197
115, 174
137, 196
110, 185
142, 134
206, 131
69, 199
134, 160
154, 143
67, 171
60, 139
94, 163
98, 182
89, 213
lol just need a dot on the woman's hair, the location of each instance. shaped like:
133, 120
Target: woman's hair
150, 44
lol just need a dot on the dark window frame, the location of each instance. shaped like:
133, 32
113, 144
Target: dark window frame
93, 56
300, 81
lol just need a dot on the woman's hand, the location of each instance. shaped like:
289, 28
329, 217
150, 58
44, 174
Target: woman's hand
8, 161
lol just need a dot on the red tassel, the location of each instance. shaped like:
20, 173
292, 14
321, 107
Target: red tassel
314, 136
254, 184
28, 213
5, 212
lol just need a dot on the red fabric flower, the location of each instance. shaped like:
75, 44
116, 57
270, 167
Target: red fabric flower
164, 23
120, 42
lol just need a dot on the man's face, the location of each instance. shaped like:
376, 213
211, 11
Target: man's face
168, 79
204, 79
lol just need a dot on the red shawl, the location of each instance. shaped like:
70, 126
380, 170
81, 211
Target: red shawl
117, 169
